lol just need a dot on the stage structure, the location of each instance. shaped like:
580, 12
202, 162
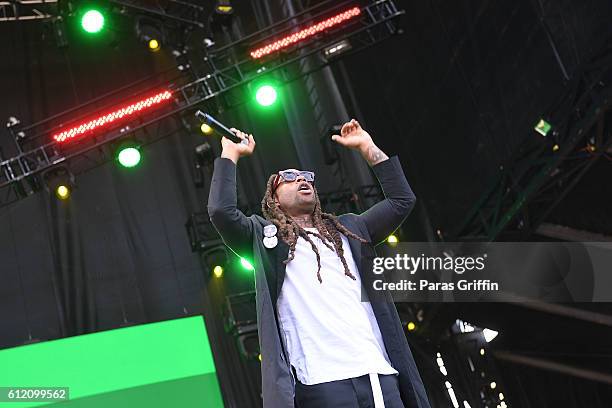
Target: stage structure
179, 12
21, 10
325, 28
570, 138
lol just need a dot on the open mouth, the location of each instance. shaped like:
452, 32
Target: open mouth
304, 188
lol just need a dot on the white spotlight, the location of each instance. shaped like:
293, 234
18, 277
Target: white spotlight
489, 334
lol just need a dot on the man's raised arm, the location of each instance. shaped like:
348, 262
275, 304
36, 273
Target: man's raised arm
387, 215
233, 226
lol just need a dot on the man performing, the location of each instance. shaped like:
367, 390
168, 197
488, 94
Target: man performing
321, 345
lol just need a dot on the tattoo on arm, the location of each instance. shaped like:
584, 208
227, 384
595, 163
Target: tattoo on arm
374, 155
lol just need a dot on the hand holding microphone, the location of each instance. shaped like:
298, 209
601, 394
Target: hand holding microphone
234, 151
235, 143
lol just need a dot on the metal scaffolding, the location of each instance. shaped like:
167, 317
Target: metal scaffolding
18, 174
21, 10
545, 169
181, 12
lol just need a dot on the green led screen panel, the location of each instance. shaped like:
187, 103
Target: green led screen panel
152, 365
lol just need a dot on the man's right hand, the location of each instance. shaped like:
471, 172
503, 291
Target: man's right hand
234, 151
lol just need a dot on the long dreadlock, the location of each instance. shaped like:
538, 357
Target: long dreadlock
327, 225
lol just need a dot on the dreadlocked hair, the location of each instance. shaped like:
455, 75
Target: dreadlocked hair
327, 225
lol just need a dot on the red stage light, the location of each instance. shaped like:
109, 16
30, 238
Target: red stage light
305, 33
102, 120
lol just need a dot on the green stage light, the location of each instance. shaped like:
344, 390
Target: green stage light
246, 264
129, 156
265, 95
92, 21
542, 127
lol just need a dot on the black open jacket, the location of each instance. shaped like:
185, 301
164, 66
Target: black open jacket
244, 236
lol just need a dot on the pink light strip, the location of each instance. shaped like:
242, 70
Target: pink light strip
305, 33
105, 119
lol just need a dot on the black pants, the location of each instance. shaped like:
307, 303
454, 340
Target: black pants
350, 393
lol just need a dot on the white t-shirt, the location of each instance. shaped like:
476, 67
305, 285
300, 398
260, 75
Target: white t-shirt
330, 333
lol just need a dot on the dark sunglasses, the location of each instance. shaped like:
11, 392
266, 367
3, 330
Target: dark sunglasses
292, 175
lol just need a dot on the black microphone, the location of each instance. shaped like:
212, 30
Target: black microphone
220, 127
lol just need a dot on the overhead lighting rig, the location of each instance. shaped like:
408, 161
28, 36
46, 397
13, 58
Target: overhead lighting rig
376, 22
171, 11
27, 10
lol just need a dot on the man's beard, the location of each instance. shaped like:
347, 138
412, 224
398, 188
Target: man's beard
305, 205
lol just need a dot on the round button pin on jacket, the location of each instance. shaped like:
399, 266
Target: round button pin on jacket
270, 230
270, 242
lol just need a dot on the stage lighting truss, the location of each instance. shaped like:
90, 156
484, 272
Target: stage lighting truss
229, 73
179, 11
231, 67
539, 175
21, 10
